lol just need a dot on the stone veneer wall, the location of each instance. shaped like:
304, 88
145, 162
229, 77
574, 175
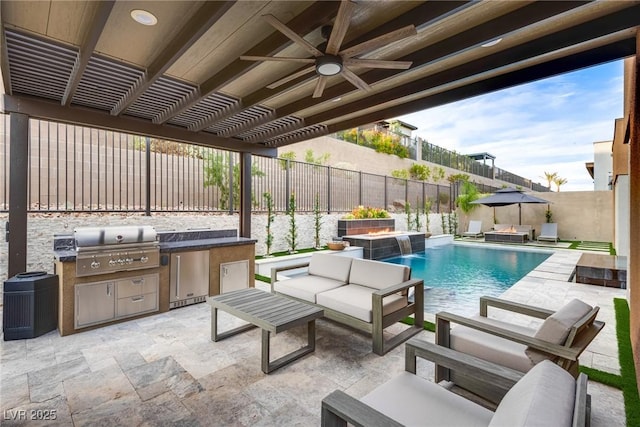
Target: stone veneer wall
42, 227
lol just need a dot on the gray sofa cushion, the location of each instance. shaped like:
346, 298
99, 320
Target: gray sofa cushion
413, 401
545, 396
334, 267
490, 347
355, 301
377, 274
306, 287
555, 328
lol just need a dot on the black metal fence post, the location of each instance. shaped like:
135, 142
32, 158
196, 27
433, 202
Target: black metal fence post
147, 189
328, 189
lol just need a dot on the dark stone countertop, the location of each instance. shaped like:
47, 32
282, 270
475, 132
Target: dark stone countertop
64, 247
198, 244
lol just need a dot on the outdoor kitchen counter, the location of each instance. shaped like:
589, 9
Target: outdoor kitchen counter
224, 248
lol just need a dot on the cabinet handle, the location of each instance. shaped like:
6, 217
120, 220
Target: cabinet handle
138, 299
177, 276
137, 281
109, 290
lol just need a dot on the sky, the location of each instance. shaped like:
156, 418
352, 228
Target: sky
545, 126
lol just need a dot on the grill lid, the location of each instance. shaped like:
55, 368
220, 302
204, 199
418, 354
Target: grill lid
100, 236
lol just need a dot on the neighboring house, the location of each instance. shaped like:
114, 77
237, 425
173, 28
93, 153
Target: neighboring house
601, 168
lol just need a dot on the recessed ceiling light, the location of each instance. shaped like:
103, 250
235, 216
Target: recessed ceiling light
491, 43
143, 17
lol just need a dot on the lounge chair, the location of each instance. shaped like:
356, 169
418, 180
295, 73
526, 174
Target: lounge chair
475, 229
561, 338
549, 232
545, 396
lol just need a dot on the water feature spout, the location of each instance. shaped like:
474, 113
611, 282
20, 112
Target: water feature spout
404, 242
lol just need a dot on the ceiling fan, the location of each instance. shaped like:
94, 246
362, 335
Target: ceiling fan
328, 60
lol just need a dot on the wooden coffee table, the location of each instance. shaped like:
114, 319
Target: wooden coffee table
272, 313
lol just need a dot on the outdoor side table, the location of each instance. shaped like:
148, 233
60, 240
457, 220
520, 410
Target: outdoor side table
272, 313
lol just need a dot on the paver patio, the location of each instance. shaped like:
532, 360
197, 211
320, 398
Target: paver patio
165, 369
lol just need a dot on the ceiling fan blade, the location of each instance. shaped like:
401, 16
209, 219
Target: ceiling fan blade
292, 35
322, 82
291, 77
354, 79
375, 63
379, 41
340, 27
278, 58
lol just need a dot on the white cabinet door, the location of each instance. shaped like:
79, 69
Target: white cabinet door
95, 303
234, 276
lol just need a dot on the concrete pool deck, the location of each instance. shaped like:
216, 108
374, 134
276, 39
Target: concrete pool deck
164, 369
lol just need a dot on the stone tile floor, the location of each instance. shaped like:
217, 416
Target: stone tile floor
165, 370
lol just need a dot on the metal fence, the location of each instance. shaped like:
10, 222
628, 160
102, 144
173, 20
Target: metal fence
79, 169
382, 139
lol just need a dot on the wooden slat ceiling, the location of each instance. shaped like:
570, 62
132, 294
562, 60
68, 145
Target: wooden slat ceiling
90, 63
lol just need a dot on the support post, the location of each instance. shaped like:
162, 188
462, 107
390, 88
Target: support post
18, 193
245, 195
147, 187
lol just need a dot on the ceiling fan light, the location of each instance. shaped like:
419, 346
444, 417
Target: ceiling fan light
328, 65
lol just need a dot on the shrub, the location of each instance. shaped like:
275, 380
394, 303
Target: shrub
365, 212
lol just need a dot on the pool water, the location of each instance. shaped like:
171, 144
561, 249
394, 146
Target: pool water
456, 276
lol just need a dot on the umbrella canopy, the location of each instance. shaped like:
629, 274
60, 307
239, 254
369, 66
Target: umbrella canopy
509, 196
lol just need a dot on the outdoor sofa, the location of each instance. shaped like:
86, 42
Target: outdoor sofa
561, 338
364, 294
545, 396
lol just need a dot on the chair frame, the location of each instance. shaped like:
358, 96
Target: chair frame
338, 408
542, 237
379, 321
471, 233
580, 336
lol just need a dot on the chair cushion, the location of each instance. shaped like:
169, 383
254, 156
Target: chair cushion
414, 401
545, 396
355, 301
555, 328
306, 287
490, 347
377, 274
334, 267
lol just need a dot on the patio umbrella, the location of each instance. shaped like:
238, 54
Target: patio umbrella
509, 196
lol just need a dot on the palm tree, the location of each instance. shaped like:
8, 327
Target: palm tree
550, 177
559, 181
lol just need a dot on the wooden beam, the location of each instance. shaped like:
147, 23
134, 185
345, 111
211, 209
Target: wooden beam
86, 50
208, 14
613, 51
496, 27
311, 18
600, 27
51, 110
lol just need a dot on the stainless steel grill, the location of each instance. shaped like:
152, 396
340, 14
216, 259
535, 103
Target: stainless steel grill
102, 250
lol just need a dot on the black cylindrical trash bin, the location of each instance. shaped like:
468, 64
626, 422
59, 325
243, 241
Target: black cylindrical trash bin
30, 305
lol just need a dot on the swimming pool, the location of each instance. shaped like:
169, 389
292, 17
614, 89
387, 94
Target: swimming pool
456, 276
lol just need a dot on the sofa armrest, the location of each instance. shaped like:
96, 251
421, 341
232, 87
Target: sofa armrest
276, 270
516, 307
394, 289
444, 319
338, 409
482, 370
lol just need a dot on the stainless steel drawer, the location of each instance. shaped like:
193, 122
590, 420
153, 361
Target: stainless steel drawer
139, 285
137, 304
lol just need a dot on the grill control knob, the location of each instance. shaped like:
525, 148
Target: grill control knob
120, 261
95, 264
112, 263
129, 260
144, 259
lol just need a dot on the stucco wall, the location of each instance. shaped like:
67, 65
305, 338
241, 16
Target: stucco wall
581, 215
